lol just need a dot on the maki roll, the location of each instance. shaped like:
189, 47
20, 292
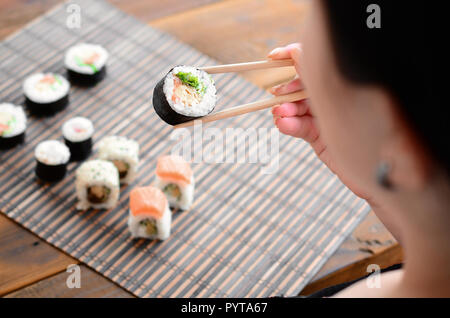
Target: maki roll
77, 134
86, 64
52, 157
149, 215
13, 123
184, 94
46, 94
97, 185
174, 177
123, 153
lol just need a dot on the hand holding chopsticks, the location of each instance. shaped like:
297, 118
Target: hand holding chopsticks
250, 107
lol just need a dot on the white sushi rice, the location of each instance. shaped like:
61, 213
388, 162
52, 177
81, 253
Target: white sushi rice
162, 224
41, 93
100, 173
77, 129
187, 192
14, 117
52, 152
123, 149
83, 51
208, 100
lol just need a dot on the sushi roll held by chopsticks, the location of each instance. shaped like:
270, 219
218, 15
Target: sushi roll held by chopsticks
184, 94
187, 93
97, 185
175, 178
149, 215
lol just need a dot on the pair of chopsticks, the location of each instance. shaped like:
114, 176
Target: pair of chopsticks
250, 107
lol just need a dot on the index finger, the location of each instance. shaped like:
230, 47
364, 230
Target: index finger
292, 51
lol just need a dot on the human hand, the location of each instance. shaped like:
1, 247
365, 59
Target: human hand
296, 118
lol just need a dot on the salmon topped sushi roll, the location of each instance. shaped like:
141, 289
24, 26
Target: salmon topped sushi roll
175, 178
149, 216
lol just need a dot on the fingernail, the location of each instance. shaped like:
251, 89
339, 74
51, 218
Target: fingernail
274, 89
297, 51
273, 52
297, 46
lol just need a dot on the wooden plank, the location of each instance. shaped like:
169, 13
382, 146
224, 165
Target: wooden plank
370, 243
392, 255
146, 10
16, 13
92, 285
25, 258
369, 238
240, 31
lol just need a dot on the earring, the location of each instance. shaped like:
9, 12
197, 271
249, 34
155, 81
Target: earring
382, 175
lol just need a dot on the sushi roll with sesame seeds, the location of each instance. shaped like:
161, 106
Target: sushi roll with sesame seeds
184, 94
77, 132
174, 177
86, 64
97, 185
52, 157
13, 123
123, 153
46, 94
149, 215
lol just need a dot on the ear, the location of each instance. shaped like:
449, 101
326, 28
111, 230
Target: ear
411, 167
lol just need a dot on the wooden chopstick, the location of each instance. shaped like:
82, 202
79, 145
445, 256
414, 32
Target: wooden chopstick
247, 108
228, 68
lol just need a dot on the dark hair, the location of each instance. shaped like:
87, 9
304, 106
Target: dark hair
397, 56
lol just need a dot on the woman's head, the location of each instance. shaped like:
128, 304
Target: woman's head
371, 92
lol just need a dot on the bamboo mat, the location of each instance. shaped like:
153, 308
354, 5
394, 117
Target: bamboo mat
248, 235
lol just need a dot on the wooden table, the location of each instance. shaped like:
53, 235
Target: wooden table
229, 31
